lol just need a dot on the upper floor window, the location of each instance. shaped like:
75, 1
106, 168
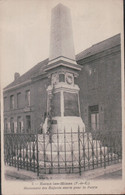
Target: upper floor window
92, 77
5, 103
12, 102
27, 98
19, 100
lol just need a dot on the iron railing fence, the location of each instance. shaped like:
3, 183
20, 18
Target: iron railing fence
21, 150
63, 152
110, 139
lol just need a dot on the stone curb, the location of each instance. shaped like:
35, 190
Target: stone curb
101, 171
91, 174
19, 174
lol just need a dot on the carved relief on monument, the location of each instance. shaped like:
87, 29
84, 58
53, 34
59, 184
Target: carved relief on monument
55, 78
69, 78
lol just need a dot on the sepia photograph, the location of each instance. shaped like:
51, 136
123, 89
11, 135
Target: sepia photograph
62, 97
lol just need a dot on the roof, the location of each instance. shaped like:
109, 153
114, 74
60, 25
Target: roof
39, 68
99, 47
36, 70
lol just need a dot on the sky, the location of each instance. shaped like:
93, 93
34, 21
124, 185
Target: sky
25, 30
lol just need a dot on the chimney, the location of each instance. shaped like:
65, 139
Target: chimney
16, 76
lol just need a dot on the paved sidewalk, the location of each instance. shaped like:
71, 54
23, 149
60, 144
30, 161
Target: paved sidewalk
113, 175
102, 173
111, 172
14, 174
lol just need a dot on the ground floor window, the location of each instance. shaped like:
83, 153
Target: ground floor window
28, 123
5, 125
19, 125
94, 117
12, 125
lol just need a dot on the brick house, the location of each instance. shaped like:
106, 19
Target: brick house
25, 99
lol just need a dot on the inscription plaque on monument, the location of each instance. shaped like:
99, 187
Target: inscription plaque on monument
56, 101
71, 107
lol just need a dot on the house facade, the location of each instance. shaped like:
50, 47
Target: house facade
100, 84
25, 99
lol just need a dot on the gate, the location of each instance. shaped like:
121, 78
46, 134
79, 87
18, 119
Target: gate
62, 152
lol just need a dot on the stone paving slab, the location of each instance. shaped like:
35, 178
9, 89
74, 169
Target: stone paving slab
11, 173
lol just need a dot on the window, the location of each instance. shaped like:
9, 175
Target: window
94, 117
27, 98
28, 124
19, 100
5, 125
12, 102
12, 125
5, 103
92, 77
19, 125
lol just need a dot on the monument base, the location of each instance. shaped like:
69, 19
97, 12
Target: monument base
70, 149
70, 123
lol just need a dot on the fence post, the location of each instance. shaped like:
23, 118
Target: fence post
88, 149
37, 150
12, 151
84, 156
97, 143
101, 152
110, 146
17, 158
108, 149
92, 153
79, 151
44, 152
104, 152
30, 152
51, 145
72, 150
58, 150
65, 147
20, 155
23, 157
27, 155
120, 147
114, 149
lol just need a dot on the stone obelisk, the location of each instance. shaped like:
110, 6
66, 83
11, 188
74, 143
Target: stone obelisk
61, 37
63, 93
